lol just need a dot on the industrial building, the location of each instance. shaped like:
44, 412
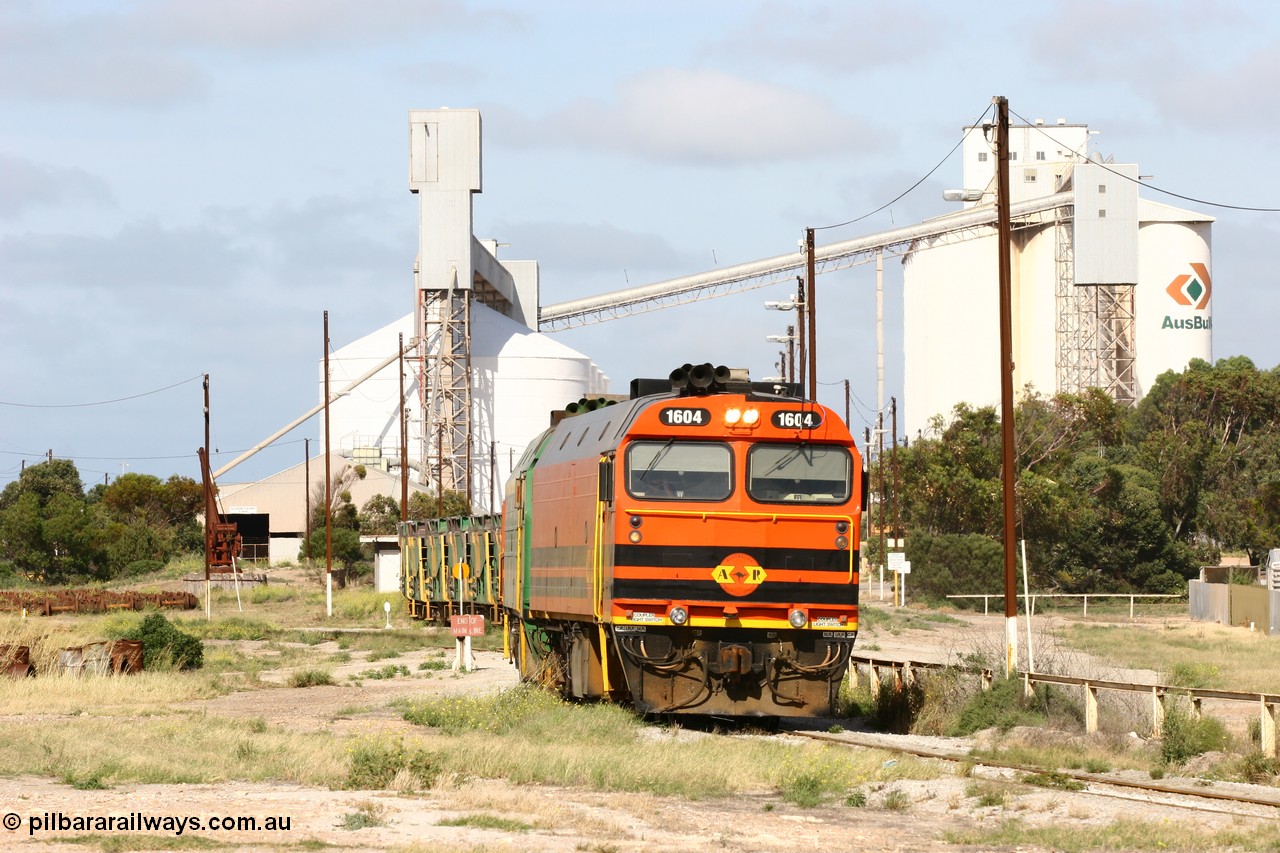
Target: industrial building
480, 381
1109, 289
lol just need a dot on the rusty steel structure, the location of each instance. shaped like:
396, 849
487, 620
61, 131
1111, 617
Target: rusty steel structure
444, 385
222, 542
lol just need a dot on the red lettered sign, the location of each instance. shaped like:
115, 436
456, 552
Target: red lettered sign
467, 624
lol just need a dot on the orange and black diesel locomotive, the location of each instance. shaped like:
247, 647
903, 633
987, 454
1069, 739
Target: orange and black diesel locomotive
691, 550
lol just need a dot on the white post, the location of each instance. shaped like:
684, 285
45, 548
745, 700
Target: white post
1026, 592
386, 606
328, 594
1011, 645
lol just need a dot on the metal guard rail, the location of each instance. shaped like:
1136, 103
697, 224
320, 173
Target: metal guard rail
1268, 703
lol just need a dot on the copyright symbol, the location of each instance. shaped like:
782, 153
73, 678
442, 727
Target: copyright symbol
12, 821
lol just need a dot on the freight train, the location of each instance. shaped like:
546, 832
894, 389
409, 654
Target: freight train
691, 550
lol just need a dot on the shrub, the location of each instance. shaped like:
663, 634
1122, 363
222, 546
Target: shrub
376, 762
896, 707
164, 645
1002, 707
1185, 736
310, 678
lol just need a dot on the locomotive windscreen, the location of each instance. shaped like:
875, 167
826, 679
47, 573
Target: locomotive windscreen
804, 473
679, 470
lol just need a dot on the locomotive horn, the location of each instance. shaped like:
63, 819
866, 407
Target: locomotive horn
679, 377
702, 376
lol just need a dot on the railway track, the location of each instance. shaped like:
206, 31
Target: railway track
1182, 796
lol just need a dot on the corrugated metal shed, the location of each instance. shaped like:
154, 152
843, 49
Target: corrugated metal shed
283, 497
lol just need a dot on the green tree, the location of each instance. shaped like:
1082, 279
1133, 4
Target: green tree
424, 505
347, 551
379, 515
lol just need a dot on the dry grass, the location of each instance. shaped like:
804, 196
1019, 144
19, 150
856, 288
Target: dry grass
169, 749
1194, 653
1078, 837
145, 693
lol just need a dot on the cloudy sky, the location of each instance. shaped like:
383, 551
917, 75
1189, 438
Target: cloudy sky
185, 187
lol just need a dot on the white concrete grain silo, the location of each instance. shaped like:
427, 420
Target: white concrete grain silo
1109, 290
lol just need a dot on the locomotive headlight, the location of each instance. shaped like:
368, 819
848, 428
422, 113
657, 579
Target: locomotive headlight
634, 536
751, 416
678, 615
798, 619
732, 416
842, 527
842, 542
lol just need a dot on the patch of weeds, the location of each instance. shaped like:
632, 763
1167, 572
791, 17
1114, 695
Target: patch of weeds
488, 821
1257, 769
91, 781
246, 751
857, 798
433, 664
896, 801
1096, 765
1002, 707
382, 654
258, 725
1157, 772
367, 814
835, 729
339, 657
1193, 675
310, 678
805, 790
988, 794
128, 842
768, 807
1185, 737
375, 763
1060, 781
391, 670
807, 780
896, 707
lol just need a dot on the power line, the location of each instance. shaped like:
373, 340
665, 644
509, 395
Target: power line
100, 402
908, 190
1151, 186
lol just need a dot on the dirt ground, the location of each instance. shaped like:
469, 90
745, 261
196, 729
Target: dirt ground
905, 816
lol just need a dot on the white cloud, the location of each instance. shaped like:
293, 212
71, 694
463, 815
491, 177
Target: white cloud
698, 117
252, 25
159, 53
846, 38
25, 184
579, 247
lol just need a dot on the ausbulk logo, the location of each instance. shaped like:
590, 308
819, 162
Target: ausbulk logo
1190, 291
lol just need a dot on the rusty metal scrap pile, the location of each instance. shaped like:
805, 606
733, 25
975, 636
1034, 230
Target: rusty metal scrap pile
93, 601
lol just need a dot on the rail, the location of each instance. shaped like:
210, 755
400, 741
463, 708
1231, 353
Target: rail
1268, 704
986, 598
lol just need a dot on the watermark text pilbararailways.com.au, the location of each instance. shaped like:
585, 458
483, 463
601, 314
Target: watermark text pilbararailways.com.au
45, 822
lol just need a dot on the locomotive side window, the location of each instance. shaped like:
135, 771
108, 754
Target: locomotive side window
679, 470
799, 473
